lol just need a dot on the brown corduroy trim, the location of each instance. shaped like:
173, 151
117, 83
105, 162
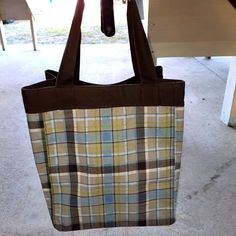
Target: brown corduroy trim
45, 96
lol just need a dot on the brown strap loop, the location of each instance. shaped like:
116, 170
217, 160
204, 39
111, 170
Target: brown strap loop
143, 65
107, 18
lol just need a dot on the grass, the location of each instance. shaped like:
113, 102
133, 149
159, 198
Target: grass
19, 32
57, 31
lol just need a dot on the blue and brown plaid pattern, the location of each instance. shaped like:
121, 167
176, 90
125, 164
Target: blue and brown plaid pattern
109, 167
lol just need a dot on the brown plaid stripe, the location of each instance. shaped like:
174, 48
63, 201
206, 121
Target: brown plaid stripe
109, 167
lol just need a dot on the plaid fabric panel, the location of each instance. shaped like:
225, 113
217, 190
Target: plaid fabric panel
110, 167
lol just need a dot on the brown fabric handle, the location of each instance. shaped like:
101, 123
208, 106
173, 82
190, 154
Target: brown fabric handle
143, 64
71, 57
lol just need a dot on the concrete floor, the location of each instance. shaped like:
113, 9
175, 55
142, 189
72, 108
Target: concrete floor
207, 194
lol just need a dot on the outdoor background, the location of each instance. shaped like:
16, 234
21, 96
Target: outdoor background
53, 20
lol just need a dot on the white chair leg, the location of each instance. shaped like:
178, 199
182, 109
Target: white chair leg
2, 36
34, 38
228, 114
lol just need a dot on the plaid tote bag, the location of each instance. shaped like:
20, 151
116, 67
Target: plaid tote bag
107, 155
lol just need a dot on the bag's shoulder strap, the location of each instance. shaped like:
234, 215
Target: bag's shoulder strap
143, 64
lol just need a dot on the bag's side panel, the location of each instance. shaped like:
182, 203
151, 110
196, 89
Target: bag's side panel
39, 146
179, 127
